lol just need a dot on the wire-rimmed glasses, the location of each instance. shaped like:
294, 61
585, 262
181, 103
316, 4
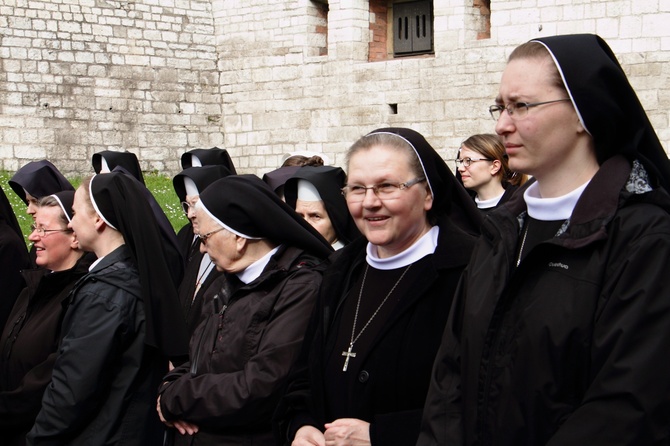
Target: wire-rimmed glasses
385, 191
517, 110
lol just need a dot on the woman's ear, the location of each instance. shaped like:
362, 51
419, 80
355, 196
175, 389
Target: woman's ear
496, 165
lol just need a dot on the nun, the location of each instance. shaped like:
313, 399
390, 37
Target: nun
200, 271
241, 354
316, 195
384, 299
128, 164
38, 179
13, 257
30, 339
562, 329
121, 326
208, 157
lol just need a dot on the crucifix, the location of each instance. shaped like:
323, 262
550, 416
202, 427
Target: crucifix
349, 354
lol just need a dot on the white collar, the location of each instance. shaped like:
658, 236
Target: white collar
94, 264
251, 272
421, 248
337, 245
490, 203
551, 209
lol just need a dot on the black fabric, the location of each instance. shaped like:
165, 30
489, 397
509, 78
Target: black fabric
329, 181
126, 161
13, 257
29, 346
242, 352
276, 178
209, 157
392, 375
568, 348
119, 200
65, 198
201, 176
7, 215
246, 204
39, 178
105, 378
194, 286
449, 197
608, 105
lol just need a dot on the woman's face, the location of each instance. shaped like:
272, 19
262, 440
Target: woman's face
393, 225
84, 220
479, 173
542, 141
221, 246
32, 205
316, 215
56, 251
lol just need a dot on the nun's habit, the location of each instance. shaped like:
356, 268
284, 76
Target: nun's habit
208, 157
122, 324
116, 199
328, 182
276, 178
248, 207
13, 257
200, 272
39, 179
109, 160
127, 164
567, 343
252, 329
402, 333
606, 103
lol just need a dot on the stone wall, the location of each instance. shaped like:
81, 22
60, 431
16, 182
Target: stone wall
266, 77
80, 76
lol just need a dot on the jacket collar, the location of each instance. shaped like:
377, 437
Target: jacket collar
615, 182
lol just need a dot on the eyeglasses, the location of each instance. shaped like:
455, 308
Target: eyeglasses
517, 110
44, 232
185, 205
468, 161
385, 191
203, 237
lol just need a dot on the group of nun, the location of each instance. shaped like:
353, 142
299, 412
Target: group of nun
376, 307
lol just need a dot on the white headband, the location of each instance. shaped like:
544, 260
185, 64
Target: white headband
307, 191
95, 205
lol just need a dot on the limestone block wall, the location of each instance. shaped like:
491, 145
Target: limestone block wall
279, 99
266, 77
80, 76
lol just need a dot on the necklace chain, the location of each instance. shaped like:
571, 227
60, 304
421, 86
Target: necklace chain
349, 354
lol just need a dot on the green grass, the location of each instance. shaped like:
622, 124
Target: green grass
160, 186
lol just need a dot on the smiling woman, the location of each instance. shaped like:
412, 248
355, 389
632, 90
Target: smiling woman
385, 297
30, 338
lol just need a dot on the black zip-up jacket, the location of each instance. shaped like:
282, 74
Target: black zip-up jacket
242, 351
571, 346
103, 386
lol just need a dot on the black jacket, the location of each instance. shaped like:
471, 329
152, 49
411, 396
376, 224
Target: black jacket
103, 386
242, 352
394, 376
29, 345
571, 347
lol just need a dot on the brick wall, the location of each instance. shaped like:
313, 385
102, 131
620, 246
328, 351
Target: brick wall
161, 77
